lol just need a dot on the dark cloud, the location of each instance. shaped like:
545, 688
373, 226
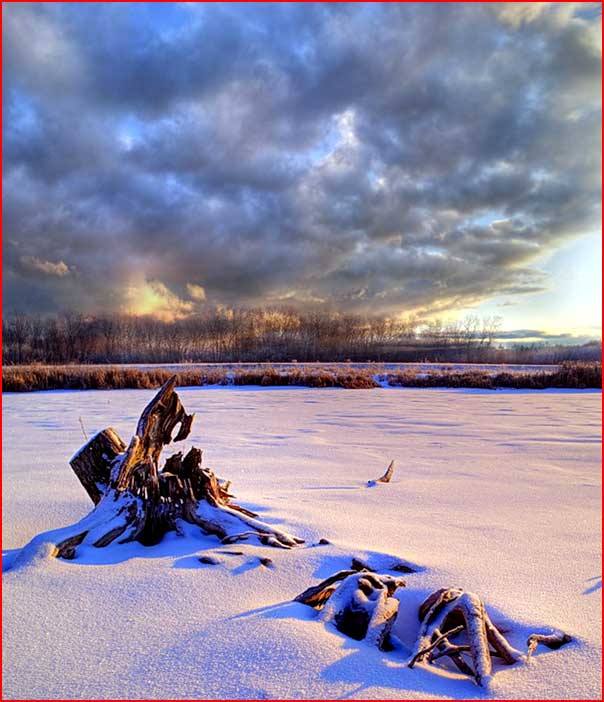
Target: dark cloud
379, 158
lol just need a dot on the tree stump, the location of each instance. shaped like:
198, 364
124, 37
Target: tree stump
136, 501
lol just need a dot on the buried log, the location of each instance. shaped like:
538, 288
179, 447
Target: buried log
361, 604
136, 501
447, 613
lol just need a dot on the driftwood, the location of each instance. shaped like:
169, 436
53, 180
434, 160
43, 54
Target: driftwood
136, 501
447, 613
360, 604
384, 478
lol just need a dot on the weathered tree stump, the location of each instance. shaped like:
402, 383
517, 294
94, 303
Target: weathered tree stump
360, 604
136, 501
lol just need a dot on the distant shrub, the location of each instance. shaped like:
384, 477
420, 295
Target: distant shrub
577, 374
570, 374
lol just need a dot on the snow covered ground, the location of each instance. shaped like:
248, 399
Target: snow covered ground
496, 492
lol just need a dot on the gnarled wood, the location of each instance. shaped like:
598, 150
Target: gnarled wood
136, 500
360, 604
446, 613
153, 432
450, 611
317, 595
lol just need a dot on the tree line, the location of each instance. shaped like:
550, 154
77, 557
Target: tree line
265, 335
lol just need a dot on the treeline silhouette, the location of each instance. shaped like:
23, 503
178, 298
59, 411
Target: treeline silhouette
265, 335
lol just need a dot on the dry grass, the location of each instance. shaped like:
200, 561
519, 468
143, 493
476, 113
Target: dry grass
315, 378
25, 379
29, 378
569, 374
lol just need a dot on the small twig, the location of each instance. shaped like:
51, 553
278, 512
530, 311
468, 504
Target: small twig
83, 430
384, 478
447, 651
454, 653
242, 536
388, 474
461, 665
440, 639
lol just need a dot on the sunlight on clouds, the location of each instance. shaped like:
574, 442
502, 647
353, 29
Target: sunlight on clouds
297, 295
60, 268
572, 300
154, 298
196, 292
519, 13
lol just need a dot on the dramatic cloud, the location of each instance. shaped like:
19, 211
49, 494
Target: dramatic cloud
156, 299
378, 158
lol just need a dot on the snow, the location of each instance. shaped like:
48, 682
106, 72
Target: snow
495, 492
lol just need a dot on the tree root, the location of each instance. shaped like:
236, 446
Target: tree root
448, 612
360, 602
553, 641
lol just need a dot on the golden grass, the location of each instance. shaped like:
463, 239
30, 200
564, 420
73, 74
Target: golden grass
569, 374
29, 378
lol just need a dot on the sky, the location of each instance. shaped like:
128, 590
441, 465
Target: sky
417, 159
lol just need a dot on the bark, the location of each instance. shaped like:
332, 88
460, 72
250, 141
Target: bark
92, 463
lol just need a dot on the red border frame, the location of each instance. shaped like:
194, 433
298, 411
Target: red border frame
3, 2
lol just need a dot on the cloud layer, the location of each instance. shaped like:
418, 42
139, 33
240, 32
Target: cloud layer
376, 158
